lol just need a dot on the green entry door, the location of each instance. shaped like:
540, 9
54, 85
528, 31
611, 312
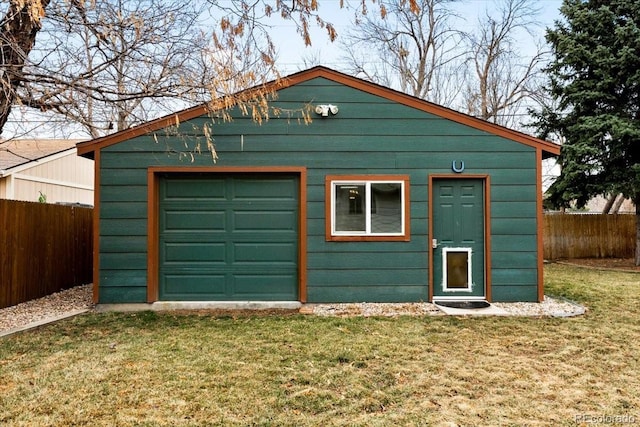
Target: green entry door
228, 237
458, 239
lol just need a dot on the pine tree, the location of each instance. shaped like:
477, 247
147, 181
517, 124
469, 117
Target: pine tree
594, 79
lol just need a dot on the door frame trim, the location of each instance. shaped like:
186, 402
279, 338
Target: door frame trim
153, 210
486, 180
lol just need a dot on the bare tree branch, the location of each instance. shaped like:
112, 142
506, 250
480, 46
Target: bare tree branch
110, 64
416, 48
503, 78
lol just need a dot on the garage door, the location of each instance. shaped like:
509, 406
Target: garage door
228, 238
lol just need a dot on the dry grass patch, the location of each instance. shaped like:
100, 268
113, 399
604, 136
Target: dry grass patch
199, 369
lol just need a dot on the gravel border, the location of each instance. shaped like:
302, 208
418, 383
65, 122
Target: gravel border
39, 311
79, 299
550, 307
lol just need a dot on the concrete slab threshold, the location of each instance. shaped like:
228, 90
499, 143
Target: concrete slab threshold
201, 305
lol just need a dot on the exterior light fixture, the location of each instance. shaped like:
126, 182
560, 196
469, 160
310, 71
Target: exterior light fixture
324, 110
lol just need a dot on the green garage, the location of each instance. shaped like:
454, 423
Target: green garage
228, 237
349, 192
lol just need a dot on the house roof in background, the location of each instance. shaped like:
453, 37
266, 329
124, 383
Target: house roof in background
20, 152
549, 149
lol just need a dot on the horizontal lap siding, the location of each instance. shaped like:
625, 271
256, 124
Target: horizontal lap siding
514, 240
123, 230
369, 135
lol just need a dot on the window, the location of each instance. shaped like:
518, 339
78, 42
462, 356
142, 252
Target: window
367, 207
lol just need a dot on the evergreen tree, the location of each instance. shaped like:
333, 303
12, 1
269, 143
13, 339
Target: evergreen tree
594, 79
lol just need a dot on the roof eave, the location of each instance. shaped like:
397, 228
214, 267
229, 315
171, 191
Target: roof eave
35, 162
86, 148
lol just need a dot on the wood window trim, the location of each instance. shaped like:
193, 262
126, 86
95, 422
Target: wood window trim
405, 237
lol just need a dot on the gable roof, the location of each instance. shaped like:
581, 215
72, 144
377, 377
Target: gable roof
549, 149
19, 154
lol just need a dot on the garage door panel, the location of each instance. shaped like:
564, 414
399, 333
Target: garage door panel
261, 235
224, 284
270, 253
184, 285
193, 220
195, 252
250, 286
259, 189
193, 236
196, 188
261, 220
244, 246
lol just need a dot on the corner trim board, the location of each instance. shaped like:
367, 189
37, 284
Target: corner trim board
96, 227
540, 225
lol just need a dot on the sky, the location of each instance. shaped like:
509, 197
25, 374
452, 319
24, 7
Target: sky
292, 51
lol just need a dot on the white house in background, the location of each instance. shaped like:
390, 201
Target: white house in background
36, 169
621, 205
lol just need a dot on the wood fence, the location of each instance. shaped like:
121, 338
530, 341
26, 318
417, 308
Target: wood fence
43, 249
589, 236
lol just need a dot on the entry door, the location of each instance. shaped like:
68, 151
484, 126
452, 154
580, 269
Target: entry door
458, 239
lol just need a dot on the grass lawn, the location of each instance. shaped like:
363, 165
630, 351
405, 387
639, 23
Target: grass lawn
179, 370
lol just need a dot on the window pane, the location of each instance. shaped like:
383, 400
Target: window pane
386, 208
350, 208
457, 270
